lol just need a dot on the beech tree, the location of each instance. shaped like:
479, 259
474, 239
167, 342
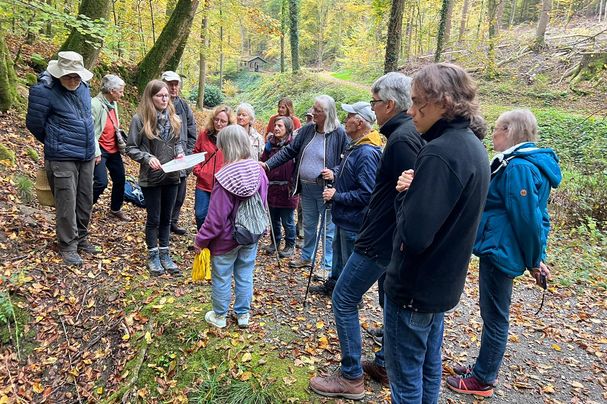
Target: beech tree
395, 30
167, 46
542, 24
86, 44
8, 78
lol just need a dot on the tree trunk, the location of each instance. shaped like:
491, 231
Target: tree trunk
499, 15
220, 46
152, 19
442, 27
512, 13
542, 24
8, 78
143, 48
283, 29
166, 47
204, 48
464, 20
395, 31
294, 34
447, 35
491, 68
87, 45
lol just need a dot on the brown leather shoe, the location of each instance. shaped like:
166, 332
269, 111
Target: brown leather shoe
299, 263
338, 386
120, 215
376, 372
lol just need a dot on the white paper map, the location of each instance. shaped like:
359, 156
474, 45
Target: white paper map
183, 163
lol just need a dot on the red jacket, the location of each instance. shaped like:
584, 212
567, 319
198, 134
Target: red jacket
205, 171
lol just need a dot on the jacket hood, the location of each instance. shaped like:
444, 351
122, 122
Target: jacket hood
545, 159
241, 178
372, 138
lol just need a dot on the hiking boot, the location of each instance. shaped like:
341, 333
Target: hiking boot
299, 263
180, 231
154, 265
243, 319
325, 289
120, 215
462, 369
376, 372
167, 262
87, 247
71, 258
214, 319
269, 249
469, 384
338, 386
287, 251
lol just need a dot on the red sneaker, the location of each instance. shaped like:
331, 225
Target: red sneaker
468, 384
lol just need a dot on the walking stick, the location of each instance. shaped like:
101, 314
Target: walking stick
321, 218
273, 236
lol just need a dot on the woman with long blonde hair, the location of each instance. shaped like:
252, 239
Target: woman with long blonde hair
154, 139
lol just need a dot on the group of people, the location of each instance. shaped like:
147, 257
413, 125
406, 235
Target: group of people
404, 206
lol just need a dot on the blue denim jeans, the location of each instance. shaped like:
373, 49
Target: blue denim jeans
287, 217
412, 344
201, 206
111, 162
240, 262
343, 245
313, 207
357, 277
495, 289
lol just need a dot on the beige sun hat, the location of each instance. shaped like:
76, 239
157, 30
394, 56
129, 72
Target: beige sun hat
68, 62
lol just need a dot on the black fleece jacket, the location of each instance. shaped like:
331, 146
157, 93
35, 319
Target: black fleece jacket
437, 220
404, 143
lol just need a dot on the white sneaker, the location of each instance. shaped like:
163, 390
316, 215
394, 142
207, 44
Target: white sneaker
214, 319
243, 320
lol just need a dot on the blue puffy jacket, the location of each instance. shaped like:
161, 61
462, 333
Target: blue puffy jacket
515, 222
61, 119
354, 182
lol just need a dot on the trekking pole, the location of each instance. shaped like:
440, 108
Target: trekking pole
273, 236
321, 219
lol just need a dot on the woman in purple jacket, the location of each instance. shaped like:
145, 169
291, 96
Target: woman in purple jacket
280, 200
240, 178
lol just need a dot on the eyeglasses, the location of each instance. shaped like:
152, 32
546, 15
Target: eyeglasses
373, 102
163, 96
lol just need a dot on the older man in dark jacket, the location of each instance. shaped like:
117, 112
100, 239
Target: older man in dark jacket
391, 98
354, 182
59, 115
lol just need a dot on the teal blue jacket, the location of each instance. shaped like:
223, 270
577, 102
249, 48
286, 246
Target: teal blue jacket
515, 223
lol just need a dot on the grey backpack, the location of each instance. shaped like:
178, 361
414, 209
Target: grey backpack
251, 220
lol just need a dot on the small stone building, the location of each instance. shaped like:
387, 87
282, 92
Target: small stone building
255, 64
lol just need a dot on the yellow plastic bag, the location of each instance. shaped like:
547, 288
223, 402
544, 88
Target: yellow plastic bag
201, 269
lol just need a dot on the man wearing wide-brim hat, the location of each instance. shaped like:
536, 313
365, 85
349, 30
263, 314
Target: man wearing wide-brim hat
59, 115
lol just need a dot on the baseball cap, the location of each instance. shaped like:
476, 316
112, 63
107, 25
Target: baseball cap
170, 76
361, 108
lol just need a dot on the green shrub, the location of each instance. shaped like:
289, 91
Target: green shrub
25, 188
212, 96
7, 312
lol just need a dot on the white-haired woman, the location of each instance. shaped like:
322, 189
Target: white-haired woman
104, 108
318, 145
239, 178
245, 117
511, 238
